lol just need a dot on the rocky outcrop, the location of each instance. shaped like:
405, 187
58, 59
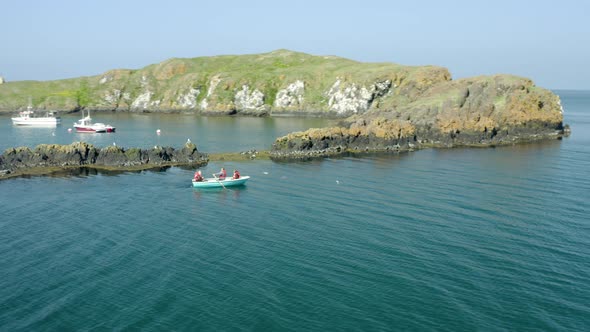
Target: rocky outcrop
189, 99
378, 135
484, 111
247, 101
291, 97
142, 101
352, 99
80, 154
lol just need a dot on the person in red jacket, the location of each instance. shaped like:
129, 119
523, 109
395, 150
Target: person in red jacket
236, 174
222, 174
198, 176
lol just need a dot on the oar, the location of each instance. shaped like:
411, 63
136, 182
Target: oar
215, 176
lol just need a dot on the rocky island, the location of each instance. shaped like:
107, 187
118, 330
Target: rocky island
381, 106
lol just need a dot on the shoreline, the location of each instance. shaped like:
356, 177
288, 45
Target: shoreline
69, 169
47, 169
276, 114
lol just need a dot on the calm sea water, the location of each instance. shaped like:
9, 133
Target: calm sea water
460, 239
210, 134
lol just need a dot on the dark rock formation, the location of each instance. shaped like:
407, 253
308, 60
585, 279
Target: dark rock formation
80, 154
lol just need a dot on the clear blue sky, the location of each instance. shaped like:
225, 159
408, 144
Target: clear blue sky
547, 41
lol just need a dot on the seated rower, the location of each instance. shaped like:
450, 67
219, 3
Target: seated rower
222, 174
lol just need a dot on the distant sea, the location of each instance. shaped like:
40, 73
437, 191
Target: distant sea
450, 240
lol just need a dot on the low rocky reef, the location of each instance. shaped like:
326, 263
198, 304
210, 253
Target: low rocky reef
334, 141
46, 158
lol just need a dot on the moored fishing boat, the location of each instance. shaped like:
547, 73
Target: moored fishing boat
217, 183
30, 118
85, 125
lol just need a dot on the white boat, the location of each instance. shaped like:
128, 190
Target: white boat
85, 125
32, 119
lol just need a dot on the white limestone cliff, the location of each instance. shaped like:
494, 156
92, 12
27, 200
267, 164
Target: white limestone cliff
142, 101
291, 96
246, 100
353, 98
188, 100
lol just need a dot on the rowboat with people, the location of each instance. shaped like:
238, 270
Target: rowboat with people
218, 183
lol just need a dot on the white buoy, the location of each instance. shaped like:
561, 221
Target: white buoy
69, 130
158, 131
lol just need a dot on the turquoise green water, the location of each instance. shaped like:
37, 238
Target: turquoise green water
461, 239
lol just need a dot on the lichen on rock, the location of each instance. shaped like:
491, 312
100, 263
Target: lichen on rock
249, 101
291, 96
189, 99
353, 98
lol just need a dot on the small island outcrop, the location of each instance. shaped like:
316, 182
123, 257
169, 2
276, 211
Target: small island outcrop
483, 111
46, 157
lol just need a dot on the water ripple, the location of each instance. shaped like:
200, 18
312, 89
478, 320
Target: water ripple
459, 239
